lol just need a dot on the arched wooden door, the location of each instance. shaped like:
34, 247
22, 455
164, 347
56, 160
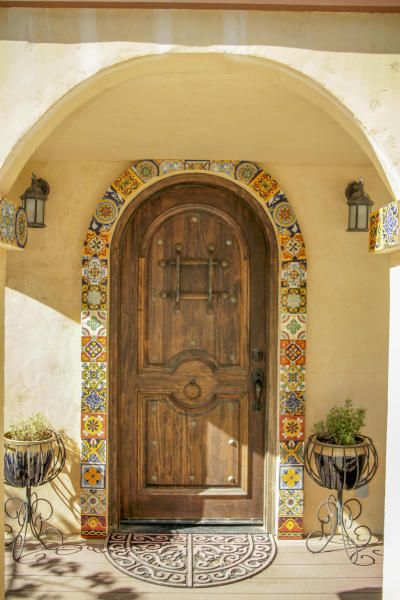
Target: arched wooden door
191, 350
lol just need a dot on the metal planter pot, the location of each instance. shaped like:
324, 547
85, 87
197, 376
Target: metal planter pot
340, 467
32, 463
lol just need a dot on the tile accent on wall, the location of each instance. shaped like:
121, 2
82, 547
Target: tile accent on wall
95, 279
93, 526
291, 477
291, 453
93, 502
290, 528
384, 228
13, 225
291, 503
291, 427
93, 476
93, 425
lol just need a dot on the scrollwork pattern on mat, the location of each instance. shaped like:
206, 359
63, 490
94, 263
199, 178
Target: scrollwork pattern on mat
190, 560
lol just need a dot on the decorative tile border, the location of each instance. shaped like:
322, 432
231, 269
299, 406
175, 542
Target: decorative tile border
95, 307
13, 225
384, 228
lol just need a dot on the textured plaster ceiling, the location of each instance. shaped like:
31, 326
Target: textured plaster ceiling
205, 114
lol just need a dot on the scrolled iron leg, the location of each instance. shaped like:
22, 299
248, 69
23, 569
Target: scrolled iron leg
33, 513
337, 520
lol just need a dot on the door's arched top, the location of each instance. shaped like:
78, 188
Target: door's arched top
290, 398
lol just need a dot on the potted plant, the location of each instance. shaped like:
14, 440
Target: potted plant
33, 452
341, 455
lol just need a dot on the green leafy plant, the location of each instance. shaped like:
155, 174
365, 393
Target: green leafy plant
342, 425
33, 429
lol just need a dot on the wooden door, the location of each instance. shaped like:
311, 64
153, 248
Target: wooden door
191, 357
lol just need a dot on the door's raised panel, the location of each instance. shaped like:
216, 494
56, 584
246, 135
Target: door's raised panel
191, 452
195, 289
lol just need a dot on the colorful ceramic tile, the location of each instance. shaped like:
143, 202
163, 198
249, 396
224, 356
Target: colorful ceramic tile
291, 503
93, 476
94, 451
246, 171
94, 297
146, 169
93, 502
127, 183
197, 165
283, 215
291, 477
8, 211
290, 528
94, 270
93, 526
94, 322
294, 300
293, 326
223, 166
106, 212
374, 242
291, 403
294, 274
21, 227
97, 244
93, 425
171, 165
390, 224
113, 195
293, 352
265, 186
291, 428
94, 375
94, 349
94, 400
291, 453
292, 247
292, 378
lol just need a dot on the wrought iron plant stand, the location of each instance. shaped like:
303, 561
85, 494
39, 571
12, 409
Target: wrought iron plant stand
29, 465
340, 468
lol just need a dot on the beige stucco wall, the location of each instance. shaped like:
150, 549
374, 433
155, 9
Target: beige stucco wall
347, 311
349, 63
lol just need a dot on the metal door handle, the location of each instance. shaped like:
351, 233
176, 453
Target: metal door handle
257, 378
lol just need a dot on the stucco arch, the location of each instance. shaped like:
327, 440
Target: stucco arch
290, 370
111, 72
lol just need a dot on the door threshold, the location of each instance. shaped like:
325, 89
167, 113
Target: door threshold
134, 526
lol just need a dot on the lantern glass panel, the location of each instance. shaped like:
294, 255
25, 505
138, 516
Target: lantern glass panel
40, 212
362, 220
30, 207
352, 217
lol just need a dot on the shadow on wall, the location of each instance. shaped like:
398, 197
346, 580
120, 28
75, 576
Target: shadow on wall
67, 487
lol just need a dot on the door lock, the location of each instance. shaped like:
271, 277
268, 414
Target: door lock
257, 355
257, 379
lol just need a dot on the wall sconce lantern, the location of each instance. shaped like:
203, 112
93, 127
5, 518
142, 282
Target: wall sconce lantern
359, 204
33, 200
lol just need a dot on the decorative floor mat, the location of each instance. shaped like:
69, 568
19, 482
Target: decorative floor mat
191, 560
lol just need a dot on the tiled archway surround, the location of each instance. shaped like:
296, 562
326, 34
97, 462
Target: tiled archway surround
95, 306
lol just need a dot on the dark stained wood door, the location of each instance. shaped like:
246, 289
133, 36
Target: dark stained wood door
191, 358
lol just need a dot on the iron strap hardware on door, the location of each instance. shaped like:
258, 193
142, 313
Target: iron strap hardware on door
178, 262
257, 379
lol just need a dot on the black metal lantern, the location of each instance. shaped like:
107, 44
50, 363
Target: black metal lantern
359, 204
34, 199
